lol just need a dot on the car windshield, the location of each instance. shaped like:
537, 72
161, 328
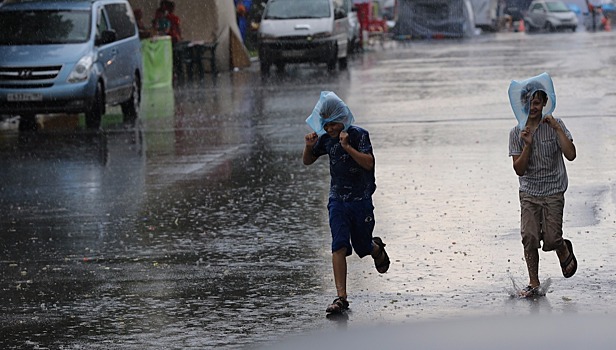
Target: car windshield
557, 7
44, 27
288, 9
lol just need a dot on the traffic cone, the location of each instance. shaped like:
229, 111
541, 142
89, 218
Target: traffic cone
607, 25
521, 27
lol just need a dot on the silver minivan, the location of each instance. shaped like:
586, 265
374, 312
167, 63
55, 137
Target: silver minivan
296, 31
69, 57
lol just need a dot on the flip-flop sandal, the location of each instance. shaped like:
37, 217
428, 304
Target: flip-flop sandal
568, 261
337, 306
530, 292
383, 266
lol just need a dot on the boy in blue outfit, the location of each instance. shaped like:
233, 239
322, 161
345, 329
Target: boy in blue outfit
351, 213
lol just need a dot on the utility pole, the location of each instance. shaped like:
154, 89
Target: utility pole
591, 9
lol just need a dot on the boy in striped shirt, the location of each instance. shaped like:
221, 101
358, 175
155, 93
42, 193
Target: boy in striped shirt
537, 151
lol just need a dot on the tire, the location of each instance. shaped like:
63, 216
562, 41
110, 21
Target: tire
529, 27
331, 64
265, 67
27, 122
343, 63
130, 108
95, 114
352, 46
549, 27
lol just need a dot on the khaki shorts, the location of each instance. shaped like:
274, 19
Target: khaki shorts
542, 220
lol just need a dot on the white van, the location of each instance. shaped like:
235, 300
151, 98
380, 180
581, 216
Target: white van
296, 31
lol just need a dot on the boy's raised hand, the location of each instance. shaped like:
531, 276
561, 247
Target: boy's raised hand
311, 139
344, 139
527, 135
549, 120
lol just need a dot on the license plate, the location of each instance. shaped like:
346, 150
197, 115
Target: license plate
293, 53
24, 97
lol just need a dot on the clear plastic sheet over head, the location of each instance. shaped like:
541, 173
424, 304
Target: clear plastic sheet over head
329, 108
521, 92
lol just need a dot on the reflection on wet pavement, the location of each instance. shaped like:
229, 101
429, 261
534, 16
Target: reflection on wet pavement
138, 265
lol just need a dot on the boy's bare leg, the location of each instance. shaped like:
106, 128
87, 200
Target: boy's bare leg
340, 271
532, 263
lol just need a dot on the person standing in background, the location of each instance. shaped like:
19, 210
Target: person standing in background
174, 23
242, 10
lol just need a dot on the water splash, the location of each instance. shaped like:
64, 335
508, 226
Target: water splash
516, 289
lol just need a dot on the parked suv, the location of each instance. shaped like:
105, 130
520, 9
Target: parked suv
550, 15
69, 57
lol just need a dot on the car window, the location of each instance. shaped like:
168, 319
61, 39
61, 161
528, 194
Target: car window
557, 6
537, 8
347, 5
121, 20
101, 23
339, 4
44, 27
288, 9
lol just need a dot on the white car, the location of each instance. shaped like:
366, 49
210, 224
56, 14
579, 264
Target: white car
550, 15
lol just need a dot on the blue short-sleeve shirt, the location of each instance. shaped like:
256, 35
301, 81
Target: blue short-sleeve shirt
349, 181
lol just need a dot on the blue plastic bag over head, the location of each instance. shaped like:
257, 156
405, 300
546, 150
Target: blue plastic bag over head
329, 108
521, 92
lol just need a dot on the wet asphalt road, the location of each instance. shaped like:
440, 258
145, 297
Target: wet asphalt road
202, 229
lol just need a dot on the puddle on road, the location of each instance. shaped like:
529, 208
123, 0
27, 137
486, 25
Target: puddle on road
199, 262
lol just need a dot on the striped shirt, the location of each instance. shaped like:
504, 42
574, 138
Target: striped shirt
546, 173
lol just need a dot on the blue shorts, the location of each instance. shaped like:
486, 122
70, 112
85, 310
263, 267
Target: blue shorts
351, 224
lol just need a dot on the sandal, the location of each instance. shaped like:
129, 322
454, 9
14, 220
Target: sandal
568, 261
530, 292
383, 266
337, 306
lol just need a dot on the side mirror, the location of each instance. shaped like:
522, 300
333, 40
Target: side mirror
107, 36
